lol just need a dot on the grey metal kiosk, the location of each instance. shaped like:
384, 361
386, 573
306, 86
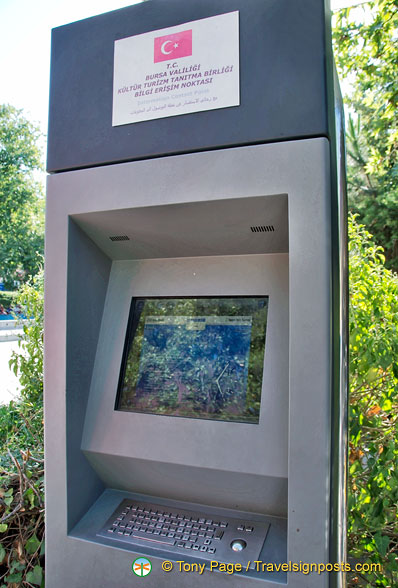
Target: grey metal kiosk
195, 364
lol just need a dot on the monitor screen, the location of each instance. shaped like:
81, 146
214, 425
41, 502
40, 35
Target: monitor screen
195, 357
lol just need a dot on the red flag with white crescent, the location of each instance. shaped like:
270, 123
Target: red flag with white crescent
173, 46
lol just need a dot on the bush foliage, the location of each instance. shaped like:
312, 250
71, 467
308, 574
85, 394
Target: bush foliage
8, 299
373, 480
21, 455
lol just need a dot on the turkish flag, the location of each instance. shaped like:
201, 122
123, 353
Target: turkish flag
173, 46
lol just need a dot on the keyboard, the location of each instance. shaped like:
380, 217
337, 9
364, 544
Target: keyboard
181, 532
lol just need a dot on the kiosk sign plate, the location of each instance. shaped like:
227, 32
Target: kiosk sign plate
187, 68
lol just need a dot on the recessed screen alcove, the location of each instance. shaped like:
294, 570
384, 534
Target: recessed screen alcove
193, 366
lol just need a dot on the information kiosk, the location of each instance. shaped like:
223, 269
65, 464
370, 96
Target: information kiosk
195, 367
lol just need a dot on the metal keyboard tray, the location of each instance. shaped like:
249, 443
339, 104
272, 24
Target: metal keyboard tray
183, 532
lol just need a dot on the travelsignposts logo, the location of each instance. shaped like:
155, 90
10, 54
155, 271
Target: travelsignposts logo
141, 566
173, 46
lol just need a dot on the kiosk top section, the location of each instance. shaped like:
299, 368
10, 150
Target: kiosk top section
269, 85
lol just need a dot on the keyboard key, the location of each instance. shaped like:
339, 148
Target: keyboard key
165, 541
211, 550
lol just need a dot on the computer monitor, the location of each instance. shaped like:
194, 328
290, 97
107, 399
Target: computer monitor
194, 357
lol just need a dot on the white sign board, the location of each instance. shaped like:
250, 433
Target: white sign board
187, 68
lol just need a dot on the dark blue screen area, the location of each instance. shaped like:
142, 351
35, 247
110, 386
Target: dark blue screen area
200, 358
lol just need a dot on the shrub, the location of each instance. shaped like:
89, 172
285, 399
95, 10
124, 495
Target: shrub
21, 455
373, 480
8, 299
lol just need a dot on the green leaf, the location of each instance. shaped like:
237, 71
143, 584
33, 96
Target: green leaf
3, 527
2, 553
13, 578
32, 544
382, 543
387, 404
36, 576
30, 495
17, 566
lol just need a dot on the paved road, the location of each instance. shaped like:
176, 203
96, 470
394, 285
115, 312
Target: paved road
9, 385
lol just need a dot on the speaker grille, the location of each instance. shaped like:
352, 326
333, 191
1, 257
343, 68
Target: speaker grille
120, 238
262, 229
